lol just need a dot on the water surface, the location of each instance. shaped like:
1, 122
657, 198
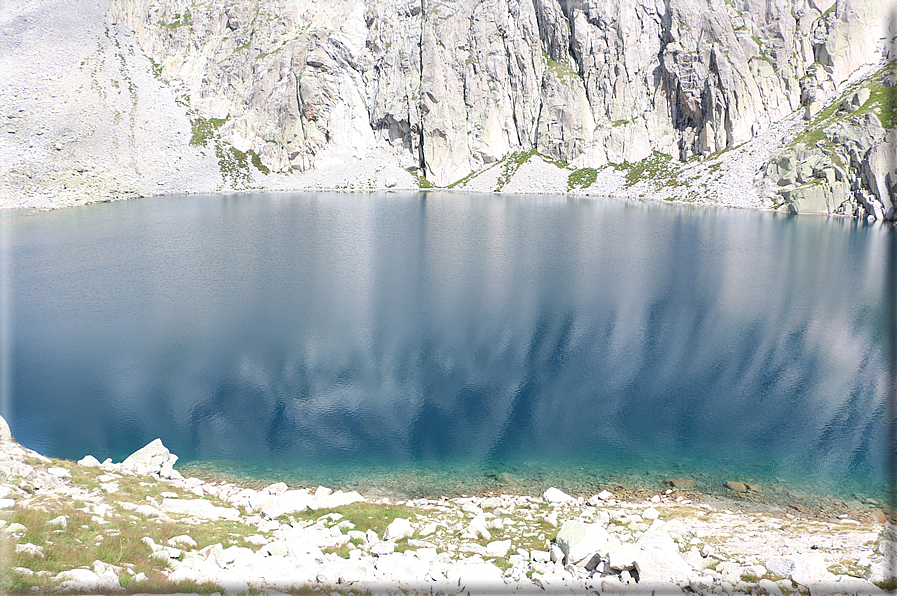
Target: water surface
431, 342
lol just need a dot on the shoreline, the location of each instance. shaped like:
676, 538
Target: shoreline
772, 498
140, 526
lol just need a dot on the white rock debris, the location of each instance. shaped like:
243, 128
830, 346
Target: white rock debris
490, 544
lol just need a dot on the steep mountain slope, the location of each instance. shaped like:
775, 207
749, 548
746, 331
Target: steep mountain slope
300, 94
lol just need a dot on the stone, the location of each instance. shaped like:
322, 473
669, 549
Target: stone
479, 527
198, 508
579, 540
541, 556
31, 549
768, 586
476, 577
656, 540
58, 522
804, 569
182, 540
428, 529
334, 500
398, 529
89, 461
291, 501
153, 458
554, 495
277, 489
555, 554
622, 556
661, 566
5, 434
381, 549
506, 479
59, 472
650, 513
498, 548
738, 487
681, 483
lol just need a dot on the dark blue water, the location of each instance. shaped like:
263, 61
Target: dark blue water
433, 341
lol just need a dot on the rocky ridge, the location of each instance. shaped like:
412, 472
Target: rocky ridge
663, 100
141, 526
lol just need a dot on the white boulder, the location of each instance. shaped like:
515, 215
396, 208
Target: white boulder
198, 508
333, 500
498, 548
554, 495
578, 540
153, 458
5, 434
661, 566
397, 530
89, 461
804, 569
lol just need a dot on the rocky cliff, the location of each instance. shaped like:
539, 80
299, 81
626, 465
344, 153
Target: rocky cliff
629, 94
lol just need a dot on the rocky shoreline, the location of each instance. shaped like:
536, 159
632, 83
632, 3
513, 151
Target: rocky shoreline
140, 526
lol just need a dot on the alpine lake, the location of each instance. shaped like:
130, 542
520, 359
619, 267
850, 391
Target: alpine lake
419, 344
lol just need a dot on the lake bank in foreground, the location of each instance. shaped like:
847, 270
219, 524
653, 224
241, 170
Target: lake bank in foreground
141, 526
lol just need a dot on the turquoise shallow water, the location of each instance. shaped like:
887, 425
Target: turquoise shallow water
429, 343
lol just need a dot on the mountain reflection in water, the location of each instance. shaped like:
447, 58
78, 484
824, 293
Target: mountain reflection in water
313, 332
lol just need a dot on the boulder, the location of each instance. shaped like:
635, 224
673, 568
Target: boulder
623, 555
31, 549
738, 487
554, 495
579, 540
656, 540
78, 580
477, 577
5, 434
154, 458
89, 461
333, 500
804, 569
381, 549
498, 548
398, 529
661, 566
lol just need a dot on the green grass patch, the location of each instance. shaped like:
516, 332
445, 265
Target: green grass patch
420, 177
180, 20
657, 167
156, 68
365, 516
512, 162
205, 130
464, 180
582, 178
257, 162
561, 70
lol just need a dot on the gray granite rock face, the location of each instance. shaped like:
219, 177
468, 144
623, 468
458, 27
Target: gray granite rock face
452, 87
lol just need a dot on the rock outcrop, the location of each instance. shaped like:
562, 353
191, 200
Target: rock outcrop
277, 89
